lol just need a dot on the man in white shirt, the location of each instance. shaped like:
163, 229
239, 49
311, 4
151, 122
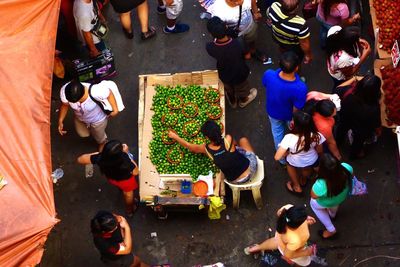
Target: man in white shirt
90, 118
86, 15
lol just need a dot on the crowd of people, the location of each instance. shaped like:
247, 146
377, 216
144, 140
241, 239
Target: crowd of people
308, 127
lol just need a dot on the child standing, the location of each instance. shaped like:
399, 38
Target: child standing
232, 69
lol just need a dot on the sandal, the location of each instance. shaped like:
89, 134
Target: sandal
149, 34
260, 56
332, 237
130, 213
289, 187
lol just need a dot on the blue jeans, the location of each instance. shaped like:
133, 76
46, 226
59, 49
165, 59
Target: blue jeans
278, 129
323, 31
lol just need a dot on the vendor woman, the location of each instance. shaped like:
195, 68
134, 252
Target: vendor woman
237, 162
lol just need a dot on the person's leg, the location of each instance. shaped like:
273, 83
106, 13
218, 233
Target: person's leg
294, 179
129, 202
245, 93
323, 216
278, 129
98, 132
356, 150
126, 22
160, 7
245, 144
332, 211
81, 128
305, 173
230, 95
143, 15
172, 13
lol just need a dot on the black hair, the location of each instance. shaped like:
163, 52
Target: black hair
212, 131
74, 91
103, 222
305, 129
216, 27
292, 218
288, 62
310, 106
112, 158
369, 89
289, 6
325, 107
346, 39
335, 175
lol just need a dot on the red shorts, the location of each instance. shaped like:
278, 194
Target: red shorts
127, 185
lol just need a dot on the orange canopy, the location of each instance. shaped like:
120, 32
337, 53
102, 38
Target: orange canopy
27, 46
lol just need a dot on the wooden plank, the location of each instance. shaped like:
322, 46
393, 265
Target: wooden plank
378, 65
142, 85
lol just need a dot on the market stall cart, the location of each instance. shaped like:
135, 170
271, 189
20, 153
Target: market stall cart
163, 192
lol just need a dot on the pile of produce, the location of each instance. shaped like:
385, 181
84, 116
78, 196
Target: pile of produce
183, 110
391, 89
387, 18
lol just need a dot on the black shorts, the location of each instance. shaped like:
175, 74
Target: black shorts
123, 6
122, 261
294, 48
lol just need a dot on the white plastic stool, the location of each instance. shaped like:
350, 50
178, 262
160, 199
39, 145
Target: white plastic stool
254, 184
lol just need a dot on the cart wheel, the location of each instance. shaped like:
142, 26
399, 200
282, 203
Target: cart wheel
160, 211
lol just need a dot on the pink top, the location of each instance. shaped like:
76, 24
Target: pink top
339, 12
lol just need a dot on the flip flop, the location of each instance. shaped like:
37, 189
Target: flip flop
291, 189
332, 237
260, 56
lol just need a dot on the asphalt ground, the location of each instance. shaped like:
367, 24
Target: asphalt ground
368, 225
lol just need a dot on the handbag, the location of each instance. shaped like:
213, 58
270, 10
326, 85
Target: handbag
309, 9
99, 28
358, 188
234, 31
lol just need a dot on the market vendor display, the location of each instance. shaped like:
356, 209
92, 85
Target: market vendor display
238, 163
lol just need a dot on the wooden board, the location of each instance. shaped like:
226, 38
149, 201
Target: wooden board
378, 65
149, 177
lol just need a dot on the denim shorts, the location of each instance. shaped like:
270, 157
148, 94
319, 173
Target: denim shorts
253, 165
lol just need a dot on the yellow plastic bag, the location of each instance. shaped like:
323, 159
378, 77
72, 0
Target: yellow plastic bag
59, 69
216, 206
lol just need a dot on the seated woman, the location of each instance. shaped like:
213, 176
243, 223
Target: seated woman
238, 163
291, 236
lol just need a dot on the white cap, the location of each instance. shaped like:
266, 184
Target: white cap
333, 30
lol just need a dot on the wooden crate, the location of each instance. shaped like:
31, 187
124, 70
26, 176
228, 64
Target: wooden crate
149, 177
378, 65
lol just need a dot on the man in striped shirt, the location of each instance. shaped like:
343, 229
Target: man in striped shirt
289, 30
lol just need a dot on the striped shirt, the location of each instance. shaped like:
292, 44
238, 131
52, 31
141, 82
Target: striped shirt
287, 30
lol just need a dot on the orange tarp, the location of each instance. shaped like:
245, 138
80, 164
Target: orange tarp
27, 211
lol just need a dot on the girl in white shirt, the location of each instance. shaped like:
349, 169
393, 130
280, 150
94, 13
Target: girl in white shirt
301, 148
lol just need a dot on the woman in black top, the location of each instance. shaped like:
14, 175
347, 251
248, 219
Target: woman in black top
238, 163
119, 168
112, 237
360, 113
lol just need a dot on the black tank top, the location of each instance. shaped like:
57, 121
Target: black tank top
232, 164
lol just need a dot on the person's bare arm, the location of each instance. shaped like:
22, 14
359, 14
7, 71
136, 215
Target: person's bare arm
332, 146
126, 248
113, 104
313, 195
351, 20
93, 52
192, 147
366, 51
85, 158
306, 47
280, 153
254, 8
61, 116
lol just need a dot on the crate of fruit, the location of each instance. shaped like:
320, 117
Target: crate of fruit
385, 15
180, 102
390, 102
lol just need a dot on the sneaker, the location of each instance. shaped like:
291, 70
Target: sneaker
179, 28
161, 10
251, 97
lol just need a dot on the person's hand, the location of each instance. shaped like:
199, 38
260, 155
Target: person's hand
365, 45
169, 2
122, 222
311, 220
113, 114
94, 52
257, 15
172, 134
61, 128
307, 59
125, 148
355, 17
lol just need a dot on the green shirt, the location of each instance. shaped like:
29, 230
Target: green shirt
321, 190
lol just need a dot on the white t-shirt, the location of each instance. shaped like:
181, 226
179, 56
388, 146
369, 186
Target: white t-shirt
230, 15
302, 158
338, 61
88, 111
85, 19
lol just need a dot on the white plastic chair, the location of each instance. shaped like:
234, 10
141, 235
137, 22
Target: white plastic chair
254, 184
